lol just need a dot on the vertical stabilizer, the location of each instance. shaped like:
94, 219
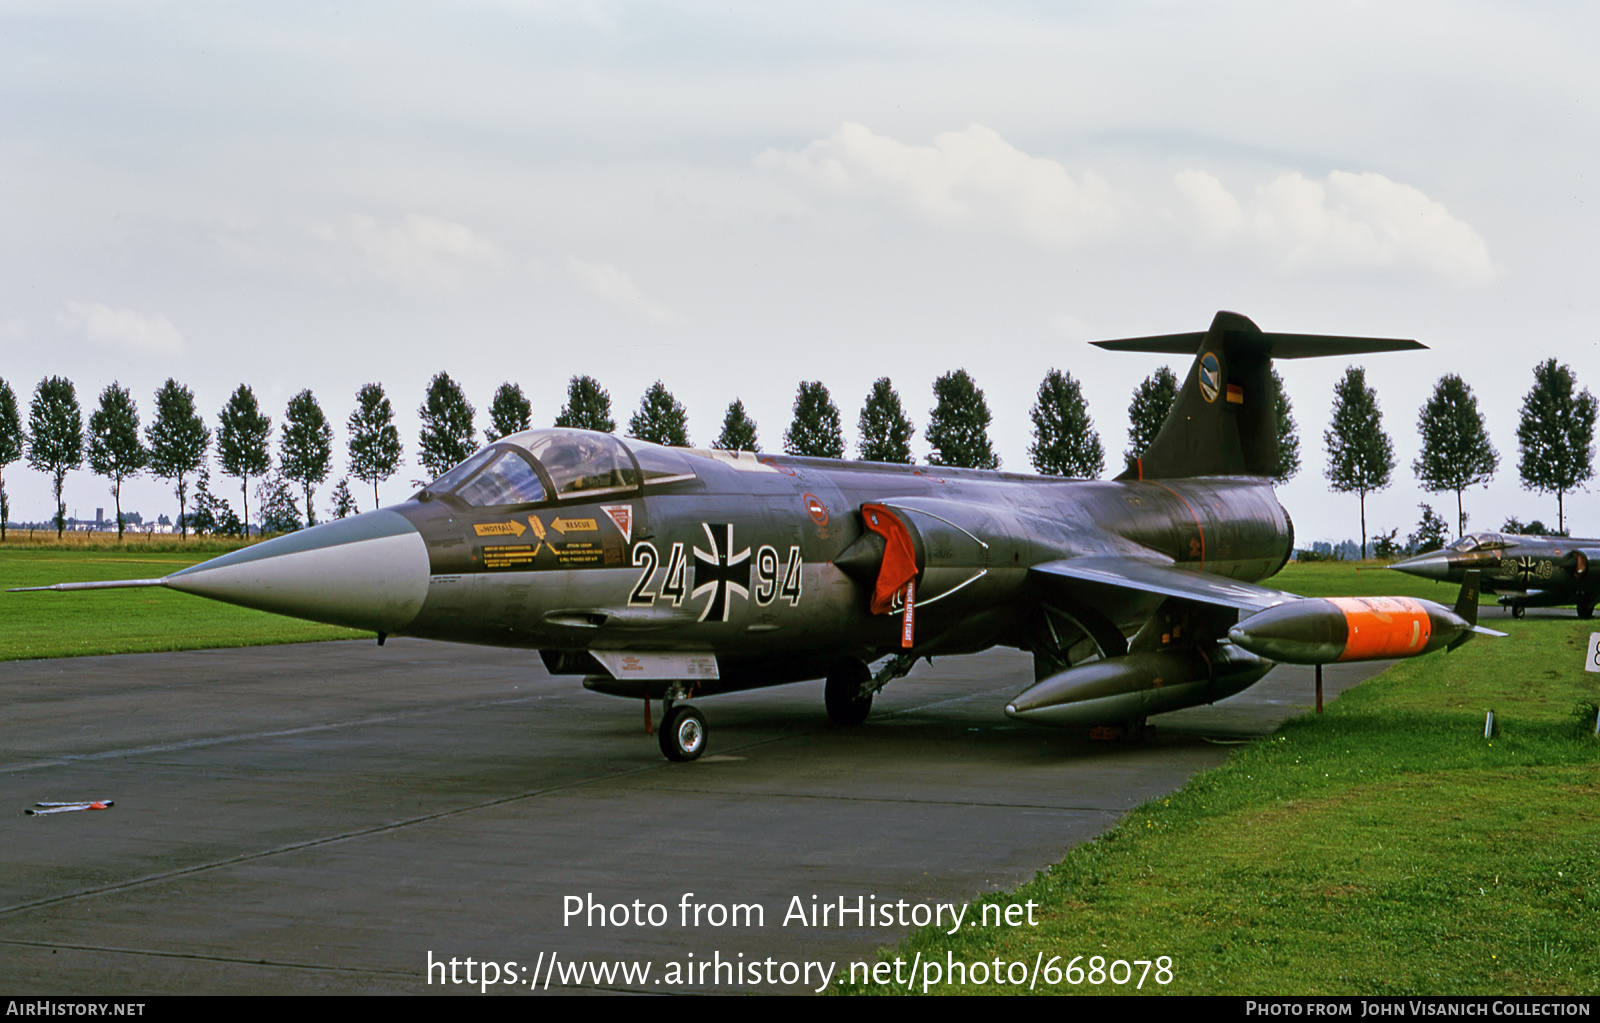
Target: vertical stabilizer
1224, 421
1467, 603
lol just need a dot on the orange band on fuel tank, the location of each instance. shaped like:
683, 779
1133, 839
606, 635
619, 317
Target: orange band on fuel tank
1383, 627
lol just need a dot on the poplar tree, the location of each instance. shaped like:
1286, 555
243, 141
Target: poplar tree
958, 425
660, 419
344, 505
509, 412
1431, 532
374, 441
1064, 439
738, 430
55, 428
885, 431
1288, 434
447, 434
242, 434
1152, 400
12, 443
1360, 456
209, 509
115, 451
1456, 453
588, 407
1556, 435
815, 430
278, 511
178, 439
305, 454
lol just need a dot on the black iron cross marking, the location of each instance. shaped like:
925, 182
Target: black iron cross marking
720, 571
1526, 566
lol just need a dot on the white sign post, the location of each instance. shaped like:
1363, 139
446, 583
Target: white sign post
1591, 660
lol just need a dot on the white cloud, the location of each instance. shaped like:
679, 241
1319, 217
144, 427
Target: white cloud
414, 249
1347, 221
123, 328
609, 284
1368, 220
971, 179
976, 180
1217, 211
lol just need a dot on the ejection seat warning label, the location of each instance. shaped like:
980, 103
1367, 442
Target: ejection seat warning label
1591, 660
719, 946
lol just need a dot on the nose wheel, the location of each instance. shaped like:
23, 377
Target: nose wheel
683, 734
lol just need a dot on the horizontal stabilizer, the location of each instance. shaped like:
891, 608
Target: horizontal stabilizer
1276, 346
108, 584
1152, 577
1224, 419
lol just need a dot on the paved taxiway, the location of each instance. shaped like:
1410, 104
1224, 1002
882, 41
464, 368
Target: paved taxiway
319, 818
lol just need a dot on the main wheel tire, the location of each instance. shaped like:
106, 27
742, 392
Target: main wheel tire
846, 705
1517, 610
683, 734
1586, 609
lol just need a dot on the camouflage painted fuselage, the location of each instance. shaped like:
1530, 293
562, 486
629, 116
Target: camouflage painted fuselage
738, 560
1550, 571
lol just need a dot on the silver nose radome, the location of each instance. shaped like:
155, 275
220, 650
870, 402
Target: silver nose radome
369, 571
1432, 565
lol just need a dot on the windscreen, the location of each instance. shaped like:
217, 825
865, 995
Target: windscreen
509, 479
452, 479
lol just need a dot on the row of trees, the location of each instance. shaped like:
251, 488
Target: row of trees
1065, 442
176, 443
1555, 436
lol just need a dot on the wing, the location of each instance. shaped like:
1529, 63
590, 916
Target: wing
1129, 574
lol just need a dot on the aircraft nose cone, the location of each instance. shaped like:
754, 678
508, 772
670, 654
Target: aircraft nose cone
369, 571
1432, 565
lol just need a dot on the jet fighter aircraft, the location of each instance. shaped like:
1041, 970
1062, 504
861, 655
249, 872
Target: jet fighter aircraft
1537, 571
664, 573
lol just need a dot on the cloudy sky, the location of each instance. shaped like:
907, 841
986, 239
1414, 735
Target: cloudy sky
322, 195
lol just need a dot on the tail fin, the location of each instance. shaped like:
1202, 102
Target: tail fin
1223, 422
1467, 603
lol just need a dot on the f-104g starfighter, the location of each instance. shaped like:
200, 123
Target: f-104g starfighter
665, 573
1527, 571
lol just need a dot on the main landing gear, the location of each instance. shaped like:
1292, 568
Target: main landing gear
683, 729
847, 697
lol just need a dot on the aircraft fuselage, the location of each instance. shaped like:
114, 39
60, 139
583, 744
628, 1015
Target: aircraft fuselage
739, 560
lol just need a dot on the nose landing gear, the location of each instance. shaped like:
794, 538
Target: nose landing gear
683, 734
683, 729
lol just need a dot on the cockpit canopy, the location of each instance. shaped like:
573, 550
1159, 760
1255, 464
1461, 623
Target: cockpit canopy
566, 465
1481, 542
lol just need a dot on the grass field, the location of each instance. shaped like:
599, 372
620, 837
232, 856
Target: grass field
1383, 848
1348, 579
126, 621
1386, 848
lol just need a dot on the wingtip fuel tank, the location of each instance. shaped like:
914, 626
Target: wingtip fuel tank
1326, 630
